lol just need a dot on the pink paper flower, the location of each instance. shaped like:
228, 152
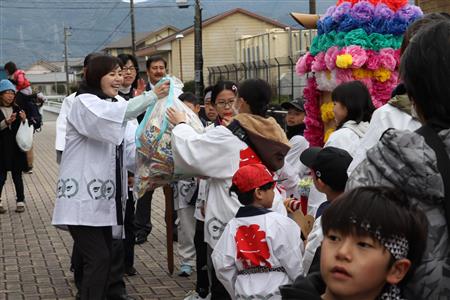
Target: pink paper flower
387, 59
314, 126
373, 60
397, 57
343, 75
359, 55
330, 57
304, 63
381, 91
319, 62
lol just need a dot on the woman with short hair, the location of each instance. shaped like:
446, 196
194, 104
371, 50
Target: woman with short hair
92, 183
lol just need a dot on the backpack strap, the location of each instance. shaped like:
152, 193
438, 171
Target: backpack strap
443, 163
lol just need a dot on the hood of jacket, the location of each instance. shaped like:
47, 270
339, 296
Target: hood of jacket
267, 139
406, 161
359, 129
304, 288
402, 102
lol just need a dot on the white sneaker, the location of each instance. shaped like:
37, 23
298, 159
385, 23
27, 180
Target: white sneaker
20, 207
193, 295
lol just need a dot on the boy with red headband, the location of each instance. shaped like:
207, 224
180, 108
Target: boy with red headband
259, 249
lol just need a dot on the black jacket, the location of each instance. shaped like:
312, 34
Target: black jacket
304, 288
11, 157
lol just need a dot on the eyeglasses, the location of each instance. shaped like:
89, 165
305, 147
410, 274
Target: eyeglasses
131, 69
224, 104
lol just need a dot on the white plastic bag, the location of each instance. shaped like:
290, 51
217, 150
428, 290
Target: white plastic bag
154, 159
24, 136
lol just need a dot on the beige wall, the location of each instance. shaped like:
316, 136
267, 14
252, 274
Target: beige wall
219, 44
274, 44
37, 69
429, 6
156, 37
115, 51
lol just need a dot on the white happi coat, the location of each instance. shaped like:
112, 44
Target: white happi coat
87, 176
183, 191
61, 122
258, 237
214, 154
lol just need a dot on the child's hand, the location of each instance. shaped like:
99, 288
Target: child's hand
287, 203
175, 117
140, 87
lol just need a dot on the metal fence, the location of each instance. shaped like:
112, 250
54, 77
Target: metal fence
279, 72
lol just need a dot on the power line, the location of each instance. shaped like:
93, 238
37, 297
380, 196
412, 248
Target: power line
112, 33
82, 8
98, 30
107, 14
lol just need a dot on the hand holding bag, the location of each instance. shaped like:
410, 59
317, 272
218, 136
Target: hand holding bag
24, 136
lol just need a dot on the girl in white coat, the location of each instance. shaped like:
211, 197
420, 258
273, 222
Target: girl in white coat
352, 110
92, 183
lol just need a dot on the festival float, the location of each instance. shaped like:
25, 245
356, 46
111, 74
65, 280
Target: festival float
356, 40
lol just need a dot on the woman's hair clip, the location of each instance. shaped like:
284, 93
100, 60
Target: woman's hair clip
234, 88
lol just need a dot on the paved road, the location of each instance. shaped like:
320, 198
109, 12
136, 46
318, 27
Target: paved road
35, 257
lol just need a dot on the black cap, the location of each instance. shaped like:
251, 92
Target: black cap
330, 164
297, 103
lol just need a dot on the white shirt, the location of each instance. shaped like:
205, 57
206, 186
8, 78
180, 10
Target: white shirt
257, 238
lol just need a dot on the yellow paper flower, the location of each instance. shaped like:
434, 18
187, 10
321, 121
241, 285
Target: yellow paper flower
361, 73
327, 134
344, 61
326, 111
382, 74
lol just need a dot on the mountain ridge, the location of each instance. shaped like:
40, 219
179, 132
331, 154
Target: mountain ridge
31, 30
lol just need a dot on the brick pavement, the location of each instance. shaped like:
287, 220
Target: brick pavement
35, 257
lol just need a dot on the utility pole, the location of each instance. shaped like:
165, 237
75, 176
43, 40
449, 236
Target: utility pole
198, 55
133, 36
66, 60
312, 7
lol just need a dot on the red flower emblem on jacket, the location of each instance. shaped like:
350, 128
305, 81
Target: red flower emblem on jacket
252, 248
248, 156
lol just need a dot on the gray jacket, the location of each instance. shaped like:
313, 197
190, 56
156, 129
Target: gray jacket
402, 159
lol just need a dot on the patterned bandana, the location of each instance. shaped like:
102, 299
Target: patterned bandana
391, 292
397, 245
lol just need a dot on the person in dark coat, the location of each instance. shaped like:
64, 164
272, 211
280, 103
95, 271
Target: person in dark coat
11, 157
